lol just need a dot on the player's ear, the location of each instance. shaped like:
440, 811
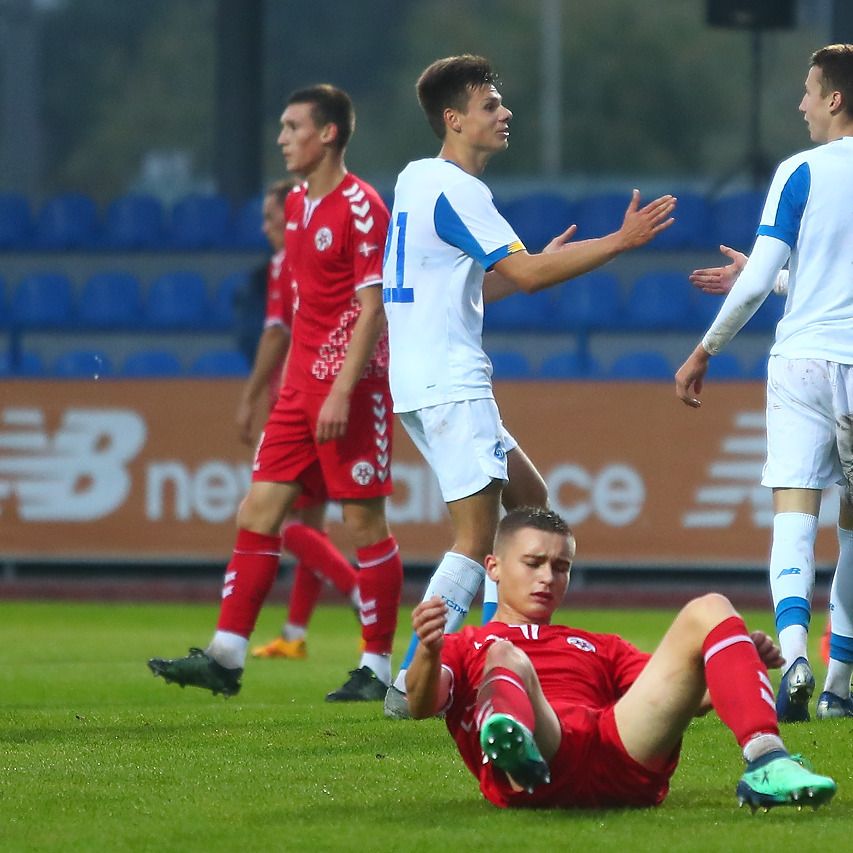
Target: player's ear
492, 565
329, 133
451, 120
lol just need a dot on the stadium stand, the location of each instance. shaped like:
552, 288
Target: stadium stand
82, 364
569, 364
601, 214
28, 365
223, 302
177, 300
692, 226
538, 217
16, 222
724, 365
658, 300
43, 300
111, 300
588, 303
220, 362
151, 364
134, 222
201, 222
510, 364
641, 364
67, 221
735, 219
519, 312
247, 225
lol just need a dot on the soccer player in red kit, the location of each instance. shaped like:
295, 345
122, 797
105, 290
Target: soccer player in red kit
552, 716
303, 533
331, 426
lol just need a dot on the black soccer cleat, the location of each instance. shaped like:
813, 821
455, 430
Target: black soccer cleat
363, 685
198, 669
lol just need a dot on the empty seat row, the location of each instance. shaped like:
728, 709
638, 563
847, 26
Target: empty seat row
117, 300
71, 221
197, 221
632, 365
656, 301
96, 364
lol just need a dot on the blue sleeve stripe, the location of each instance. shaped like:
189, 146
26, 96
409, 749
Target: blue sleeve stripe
450, 227
789, 211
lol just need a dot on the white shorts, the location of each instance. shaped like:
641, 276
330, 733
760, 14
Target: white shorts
464, 443
809, 424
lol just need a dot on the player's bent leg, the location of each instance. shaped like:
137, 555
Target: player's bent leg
519, 731
526, 487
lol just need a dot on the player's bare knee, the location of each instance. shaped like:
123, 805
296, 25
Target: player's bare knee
506, 655
701, 614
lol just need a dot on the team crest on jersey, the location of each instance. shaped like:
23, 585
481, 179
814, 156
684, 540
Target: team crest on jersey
580, 643
323, 238
363, 473
500, 453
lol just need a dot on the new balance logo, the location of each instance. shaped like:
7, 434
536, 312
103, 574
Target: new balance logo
792, 571
77, 474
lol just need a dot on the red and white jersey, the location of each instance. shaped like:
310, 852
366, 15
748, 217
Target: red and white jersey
334, 248
576, 669
279, 311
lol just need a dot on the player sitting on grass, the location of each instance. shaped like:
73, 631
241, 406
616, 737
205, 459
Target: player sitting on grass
547, 715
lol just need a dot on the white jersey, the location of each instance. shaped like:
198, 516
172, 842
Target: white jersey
445, 233
810, 208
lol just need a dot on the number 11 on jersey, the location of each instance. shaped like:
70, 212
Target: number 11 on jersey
398, 293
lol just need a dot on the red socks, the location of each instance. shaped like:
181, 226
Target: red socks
380, 582
502, 691
316, 550
248, 578
737, 681
304, 594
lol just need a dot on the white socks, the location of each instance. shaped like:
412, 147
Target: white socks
228, 650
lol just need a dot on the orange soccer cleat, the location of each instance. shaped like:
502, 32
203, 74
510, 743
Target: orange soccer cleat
282, 649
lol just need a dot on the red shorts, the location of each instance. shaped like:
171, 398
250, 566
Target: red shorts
591, 770
354, 467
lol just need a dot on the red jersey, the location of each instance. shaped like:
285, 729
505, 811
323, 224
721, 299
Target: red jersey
577, 670
279, 292
334, 247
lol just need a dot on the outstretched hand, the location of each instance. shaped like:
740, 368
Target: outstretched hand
642, 224
719, 280
768, 651
428, 621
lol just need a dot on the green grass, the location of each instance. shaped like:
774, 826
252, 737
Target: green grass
98, 755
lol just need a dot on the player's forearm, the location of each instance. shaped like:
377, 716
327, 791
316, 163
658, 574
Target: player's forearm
271, 349
423, 679
497, 286
536, 272
754, 283
366, 332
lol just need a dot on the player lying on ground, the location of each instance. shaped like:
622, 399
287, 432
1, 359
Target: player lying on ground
547, 715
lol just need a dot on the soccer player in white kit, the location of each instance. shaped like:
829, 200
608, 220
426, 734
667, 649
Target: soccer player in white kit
447, 248
807, 221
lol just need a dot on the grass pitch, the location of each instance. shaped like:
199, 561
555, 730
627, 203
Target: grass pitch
99, 755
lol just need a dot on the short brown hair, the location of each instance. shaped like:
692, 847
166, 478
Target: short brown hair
836, 64
448, 83
279, 190
329, 105
530, 516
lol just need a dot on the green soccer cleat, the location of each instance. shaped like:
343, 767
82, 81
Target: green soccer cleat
198, 669
778, 779
363, 685
510, 746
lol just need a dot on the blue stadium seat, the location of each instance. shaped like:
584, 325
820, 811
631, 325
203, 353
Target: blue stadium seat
519, 312
149, 364
82, 364
569, 364
111, 300
692, 226
247, 225
591, 302
29, 365
43, 300
177, 300
223, 302
704, 307
724, 365
5, 318
601, 214
758, 369
16, 221
538, 217
767, 316
509, 364
220, 362
201, 222
67, 221
735, 219
642, 364
134, 221
659, 300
